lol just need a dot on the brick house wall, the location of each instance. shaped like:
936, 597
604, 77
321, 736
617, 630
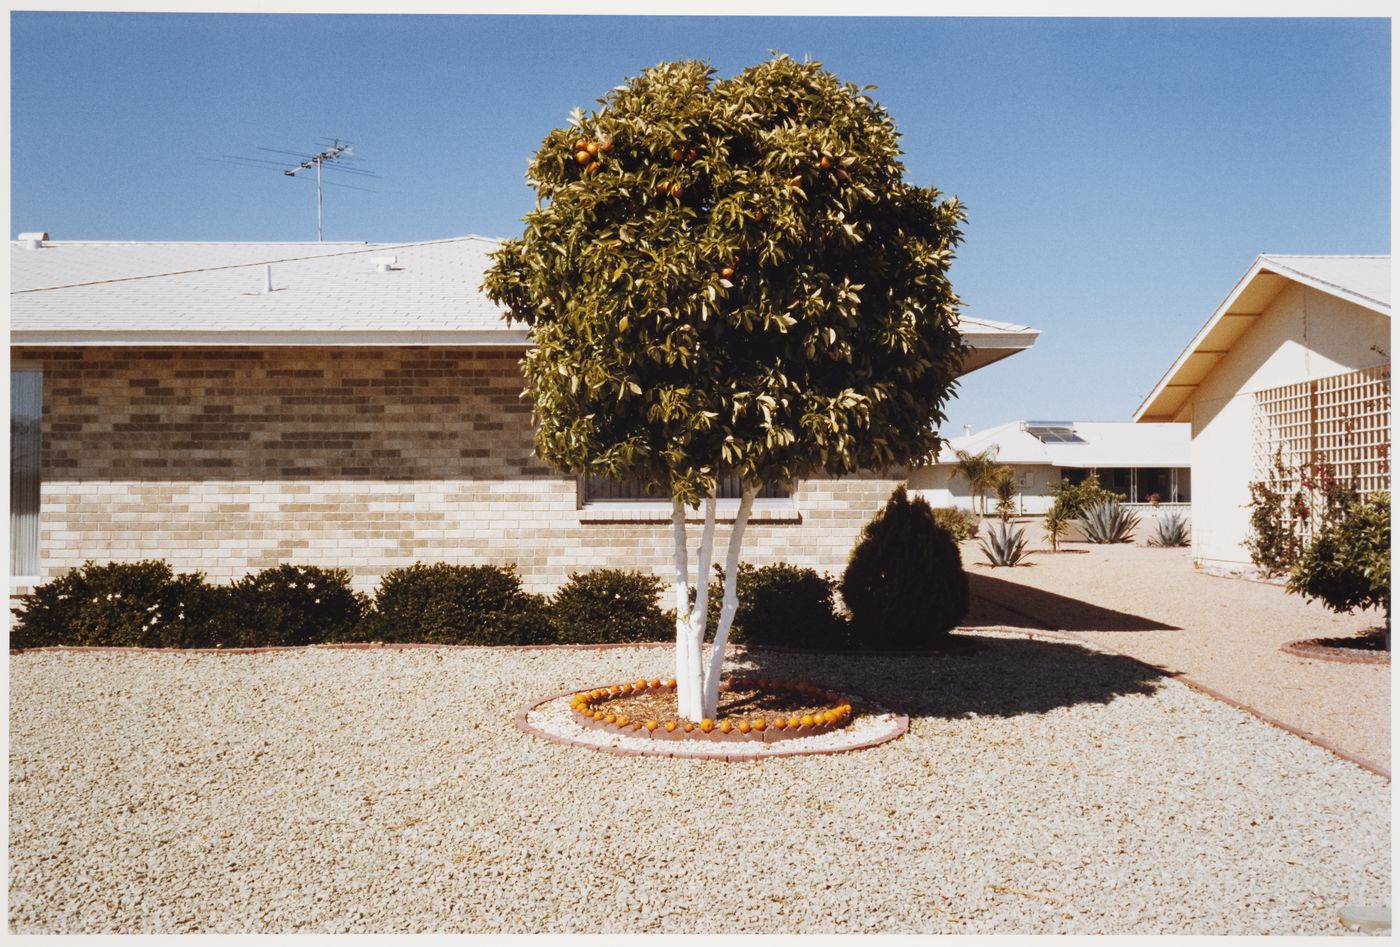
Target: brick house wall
233, 459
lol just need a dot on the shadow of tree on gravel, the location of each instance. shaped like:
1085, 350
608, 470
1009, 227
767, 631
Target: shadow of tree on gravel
1003, 677
1000, 603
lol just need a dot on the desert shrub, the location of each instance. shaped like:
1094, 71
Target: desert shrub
1004, 545
1055, 523
607, 605
784, 605
960, 524
1172, 530
1347, 564
1073, 499
1108, 522
293, 605
904, 585
125, 604
452, 604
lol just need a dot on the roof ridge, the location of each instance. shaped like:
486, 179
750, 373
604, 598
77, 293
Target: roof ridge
359, 248
1315, 278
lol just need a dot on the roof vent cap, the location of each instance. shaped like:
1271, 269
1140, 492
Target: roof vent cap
34, 239
383, 264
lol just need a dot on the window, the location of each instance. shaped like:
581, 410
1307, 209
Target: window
605, 490
25, 419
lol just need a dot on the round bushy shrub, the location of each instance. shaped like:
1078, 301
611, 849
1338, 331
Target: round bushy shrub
293, 605
1347, 564
122, 604
608, 605
904, 585
452, 604
786, 605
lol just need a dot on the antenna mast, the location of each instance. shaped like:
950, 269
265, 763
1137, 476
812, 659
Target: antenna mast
333, 153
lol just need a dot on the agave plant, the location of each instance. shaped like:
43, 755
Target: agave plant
1109, 522
1004, 545
1172, 530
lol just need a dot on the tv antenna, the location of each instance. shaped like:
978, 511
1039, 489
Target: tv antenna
335, 154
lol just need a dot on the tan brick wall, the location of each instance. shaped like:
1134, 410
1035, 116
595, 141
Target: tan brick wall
230, 460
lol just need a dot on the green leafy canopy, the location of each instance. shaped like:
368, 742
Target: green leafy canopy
731, 276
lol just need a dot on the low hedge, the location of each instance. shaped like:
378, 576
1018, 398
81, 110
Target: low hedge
451, 604
610, 605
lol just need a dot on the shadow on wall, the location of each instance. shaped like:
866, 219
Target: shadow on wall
1004, 677
1002, 604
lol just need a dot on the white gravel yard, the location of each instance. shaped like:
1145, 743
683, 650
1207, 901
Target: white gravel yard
1042, 787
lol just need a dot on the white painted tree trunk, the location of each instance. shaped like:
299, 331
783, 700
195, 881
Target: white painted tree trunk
731, 600
697, 681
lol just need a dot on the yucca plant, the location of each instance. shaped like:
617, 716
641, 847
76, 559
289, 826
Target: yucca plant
1172, 530
1004, 545
1109, 522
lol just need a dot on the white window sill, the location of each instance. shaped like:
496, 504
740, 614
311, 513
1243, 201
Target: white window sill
644, 511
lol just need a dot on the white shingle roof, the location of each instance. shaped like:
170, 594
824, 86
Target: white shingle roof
1364, 279
1104, 444
103, 293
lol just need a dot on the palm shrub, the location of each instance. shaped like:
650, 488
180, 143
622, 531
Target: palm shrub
294, 605
1347, 564
1005, 490
1109, 522
980, 471
610, 605
904, 585
122, 604
1172, 530
1004, 544
452, 604
1055, 523
961, 524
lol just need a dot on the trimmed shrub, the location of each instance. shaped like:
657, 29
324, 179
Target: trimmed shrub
609, 605
1347, 565
782, 605
904, 585
451, 604
294, 605
122, 604
1073, 499
961, 524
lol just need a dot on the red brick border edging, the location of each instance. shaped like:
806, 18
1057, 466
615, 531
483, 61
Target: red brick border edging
1314, 650
676, 750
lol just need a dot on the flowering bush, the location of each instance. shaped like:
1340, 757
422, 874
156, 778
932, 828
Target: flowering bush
293, 605
606, 605
132, 604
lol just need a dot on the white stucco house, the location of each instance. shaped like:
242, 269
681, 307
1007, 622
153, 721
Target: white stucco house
1148, 465
1295, 363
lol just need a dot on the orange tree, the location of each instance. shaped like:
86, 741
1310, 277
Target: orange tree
731, 277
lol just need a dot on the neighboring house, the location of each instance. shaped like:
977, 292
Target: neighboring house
1150, 466
1295, 363
230, 407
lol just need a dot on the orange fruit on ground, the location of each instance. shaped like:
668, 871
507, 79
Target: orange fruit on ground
743, 726
640, 685
670, 682
808, 720
651, 725
794, 723
689, 726
707, 724
780, 723
760, 724
597, 715
670, 726
610, 718
622, 720
725, 726
654, 682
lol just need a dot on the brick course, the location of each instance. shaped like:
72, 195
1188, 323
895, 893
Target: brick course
230, 459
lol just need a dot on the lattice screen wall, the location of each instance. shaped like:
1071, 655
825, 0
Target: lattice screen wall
1342, 420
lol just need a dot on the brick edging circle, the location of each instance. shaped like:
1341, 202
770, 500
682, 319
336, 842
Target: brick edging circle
1314, 650
675, 750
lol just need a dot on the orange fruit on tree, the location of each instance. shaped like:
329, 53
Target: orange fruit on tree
607, 144
677, 154
677, 191
826, 161
580, 144
727, 272
582, 157
591, 147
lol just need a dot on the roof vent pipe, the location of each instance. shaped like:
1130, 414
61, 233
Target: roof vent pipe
267, 279
33, 240
967, 430
383, 264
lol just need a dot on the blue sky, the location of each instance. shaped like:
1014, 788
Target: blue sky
1120, 175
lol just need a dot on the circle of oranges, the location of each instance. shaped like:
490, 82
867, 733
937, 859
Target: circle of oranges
838, 713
